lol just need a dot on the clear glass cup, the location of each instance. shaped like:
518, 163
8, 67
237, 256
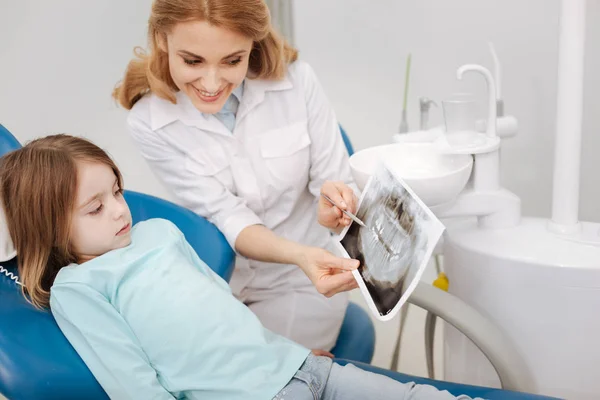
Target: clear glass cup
459, 117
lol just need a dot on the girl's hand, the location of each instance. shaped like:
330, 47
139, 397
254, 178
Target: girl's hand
322, 353
331, 216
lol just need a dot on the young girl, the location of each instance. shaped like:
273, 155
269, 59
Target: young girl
147, 316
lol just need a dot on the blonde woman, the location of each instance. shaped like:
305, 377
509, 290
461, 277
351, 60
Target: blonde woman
242, 133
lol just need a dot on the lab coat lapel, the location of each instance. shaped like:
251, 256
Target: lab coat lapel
163, 112
254, 93
207, 122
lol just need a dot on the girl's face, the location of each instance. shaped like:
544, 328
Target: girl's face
207, 62
101, 219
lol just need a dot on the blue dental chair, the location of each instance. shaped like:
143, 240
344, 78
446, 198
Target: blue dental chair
37, 362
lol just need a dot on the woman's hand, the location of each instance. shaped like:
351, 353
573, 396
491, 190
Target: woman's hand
331, 216
329, 274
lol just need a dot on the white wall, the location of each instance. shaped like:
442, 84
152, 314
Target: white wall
59, 61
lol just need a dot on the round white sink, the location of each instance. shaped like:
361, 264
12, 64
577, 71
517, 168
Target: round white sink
435, 177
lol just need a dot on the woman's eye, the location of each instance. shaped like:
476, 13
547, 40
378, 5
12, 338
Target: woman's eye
191, 62
234, 62
119, 192
97, 210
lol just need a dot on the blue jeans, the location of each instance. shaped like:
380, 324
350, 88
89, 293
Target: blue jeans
319, 378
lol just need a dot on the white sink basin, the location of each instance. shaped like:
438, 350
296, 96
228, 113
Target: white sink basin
435, 177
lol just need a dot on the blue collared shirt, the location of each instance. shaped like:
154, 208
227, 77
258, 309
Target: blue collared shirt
228, 113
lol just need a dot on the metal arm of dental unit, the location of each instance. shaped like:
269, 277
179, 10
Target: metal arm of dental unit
494, 344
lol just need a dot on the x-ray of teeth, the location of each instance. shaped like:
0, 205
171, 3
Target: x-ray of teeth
397, 243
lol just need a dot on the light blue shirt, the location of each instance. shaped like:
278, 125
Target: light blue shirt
152, 321
228, 113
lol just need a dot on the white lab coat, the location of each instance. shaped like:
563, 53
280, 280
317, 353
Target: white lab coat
286, 142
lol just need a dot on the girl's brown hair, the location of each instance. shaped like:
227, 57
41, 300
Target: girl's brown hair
269, 56
38, 185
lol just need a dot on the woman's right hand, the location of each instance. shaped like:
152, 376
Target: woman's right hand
329, 215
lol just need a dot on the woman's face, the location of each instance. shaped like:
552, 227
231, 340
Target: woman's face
207, 62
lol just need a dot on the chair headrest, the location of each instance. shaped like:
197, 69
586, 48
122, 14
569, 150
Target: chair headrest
7, 248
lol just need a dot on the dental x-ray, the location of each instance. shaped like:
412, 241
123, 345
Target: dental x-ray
395, 244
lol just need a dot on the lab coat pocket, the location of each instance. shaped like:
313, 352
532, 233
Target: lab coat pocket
210, 161
286, 153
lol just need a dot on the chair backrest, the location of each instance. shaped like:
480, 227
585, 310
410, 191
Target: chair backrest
208, 241
36, 360
7, 141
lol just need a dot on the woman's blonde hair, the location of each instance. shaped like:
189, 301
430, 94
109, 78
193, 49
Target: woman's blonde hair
269, 56
38, 186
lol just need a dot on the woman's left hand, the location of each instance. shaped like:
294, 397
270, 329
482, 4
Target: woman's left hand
331, 216
329, 274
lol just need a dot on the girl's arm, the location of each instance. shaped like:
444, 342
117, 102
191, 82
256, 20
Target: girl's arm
105, 343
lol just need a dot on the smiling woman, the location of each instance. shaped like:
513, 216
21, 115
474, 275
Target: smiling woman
214, 32
242, 133
206, 62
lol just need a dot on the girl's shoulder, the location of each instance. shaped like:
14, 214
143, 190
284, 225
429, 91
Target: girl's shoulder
146, 237
156, 227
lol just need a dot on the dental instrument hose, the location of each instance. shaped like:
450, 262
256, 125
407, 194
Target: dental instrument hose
10, 275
